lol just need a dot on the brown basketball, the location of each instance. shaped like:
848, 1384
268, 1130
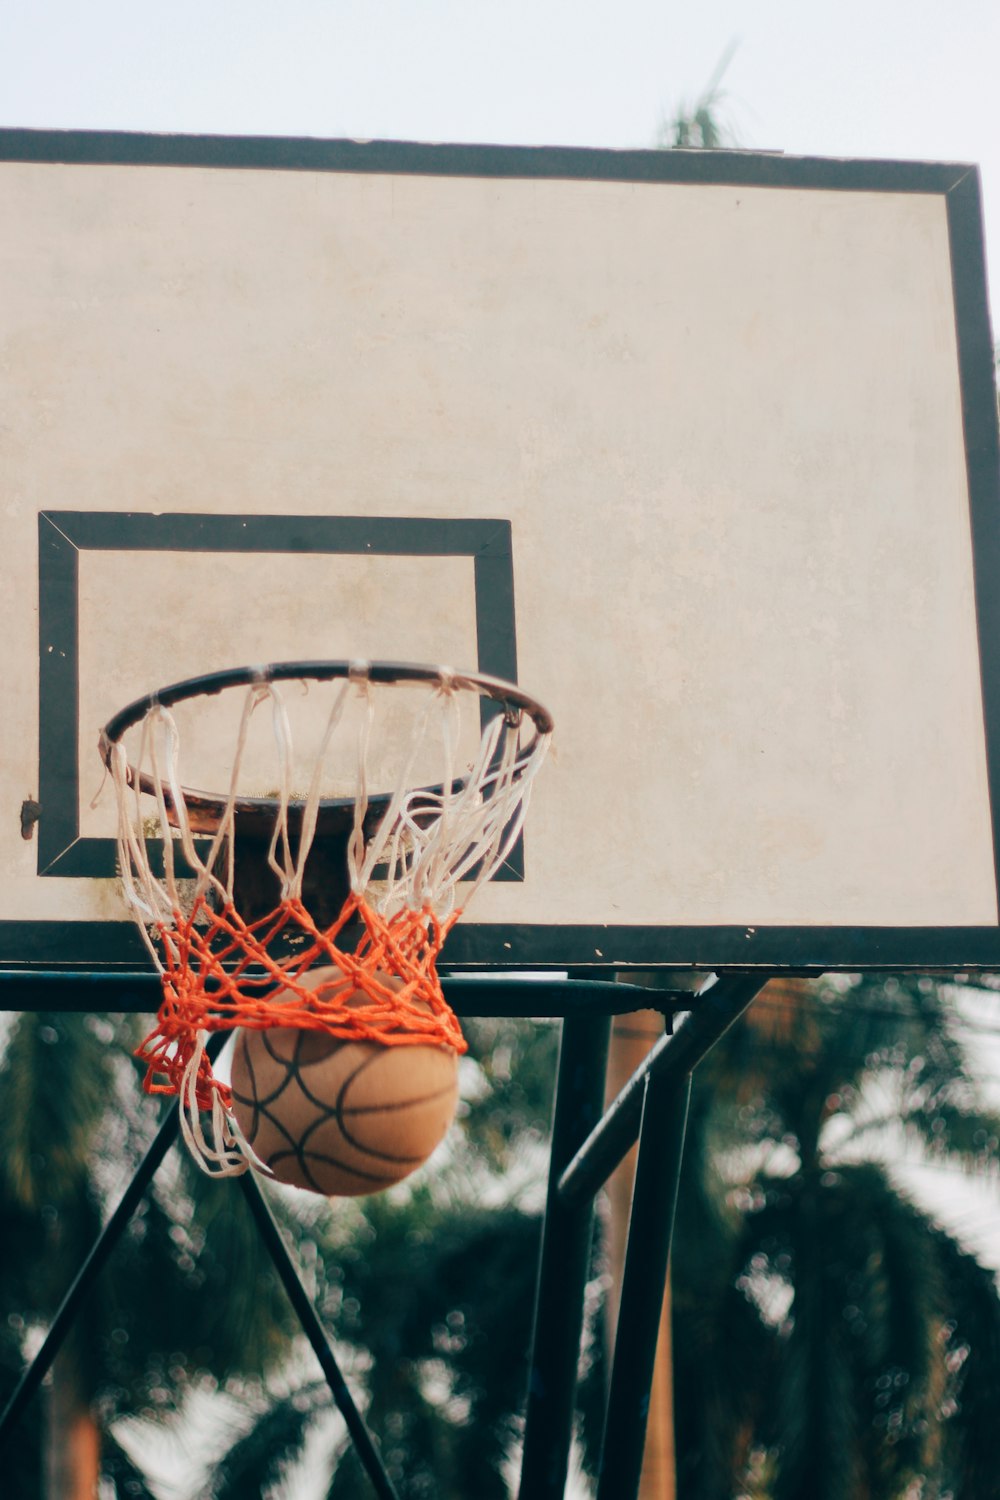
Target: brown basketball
341, 1118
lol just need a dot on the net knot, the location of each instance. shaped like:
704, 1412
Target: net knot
221, 972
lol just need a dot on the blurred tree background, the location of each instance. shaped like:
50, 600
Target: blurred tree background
831, 1339
189, 1300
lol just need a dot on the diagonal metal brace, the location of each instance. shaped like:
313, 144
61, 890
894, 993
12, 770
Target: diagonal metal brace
713, 1011
268, 1229
269, 1232
96, 1260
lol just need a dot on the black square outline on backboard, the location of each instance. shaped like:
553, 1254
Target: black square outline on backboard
63, 535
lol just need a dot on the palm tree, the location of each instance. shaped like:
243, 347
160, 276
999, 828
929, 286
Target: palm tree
833, 1341
168, 1313
699, 125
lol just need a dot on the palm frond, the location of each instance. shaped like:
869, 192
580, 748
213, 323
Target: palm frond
516, 1063
440, 1295
261, 1457
699, 124
246, 1319
970, 1340
121, 1470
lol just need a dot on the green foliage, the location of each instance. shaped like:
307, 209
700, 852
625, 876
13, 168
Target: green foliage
22, 1459
831, 1341
58, 1077
167, 1312
432, 1287
435, 1282
439, 1294
698, 125
511, 1110
261, 1453
825, 1344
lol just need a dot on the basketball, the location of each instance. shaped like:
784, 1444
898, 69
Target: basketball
341, 1118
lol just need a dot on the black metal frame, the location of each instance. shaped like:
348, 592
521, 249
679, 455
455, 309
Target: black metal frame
65, 536
587, 1145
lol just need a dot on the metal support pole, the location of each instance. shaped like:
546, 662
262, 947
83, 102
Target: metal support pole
712, 1012
314, 1331
563, 1266
650, 1231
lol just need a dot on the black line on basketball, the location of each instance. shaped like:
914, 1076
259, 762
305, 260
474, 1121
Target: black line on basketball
292, 1066
331, 1161
239, 1098
366, 1150
385, 1109
366, 1062
343, 1110
282, 1130
383, 1155
259, 1099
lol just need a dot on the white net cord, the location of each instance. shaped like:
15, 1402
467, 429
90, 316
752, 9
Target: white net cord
430, 850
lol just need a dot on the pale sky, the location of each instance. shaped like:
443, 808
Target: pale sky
868, 78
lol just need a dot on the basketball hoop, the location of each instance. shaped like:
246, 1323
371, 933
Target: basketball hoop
410, 858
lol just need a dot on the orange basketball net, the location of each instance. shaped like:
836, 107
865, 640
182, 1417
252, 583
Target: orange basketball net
222, 969
219, 973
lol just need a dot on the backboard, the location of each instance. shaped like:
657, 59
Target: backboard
700, 448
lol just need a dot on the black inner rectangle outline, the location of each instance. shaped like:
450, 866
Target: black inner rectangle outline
63, 535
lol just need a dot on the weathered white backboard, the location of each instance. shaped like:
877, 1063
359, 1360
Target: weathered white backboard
699, 447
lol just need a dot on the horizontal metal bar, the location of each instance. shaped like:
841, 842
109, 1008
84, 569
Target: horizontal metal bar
713, 1011
129, 993
541, 998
